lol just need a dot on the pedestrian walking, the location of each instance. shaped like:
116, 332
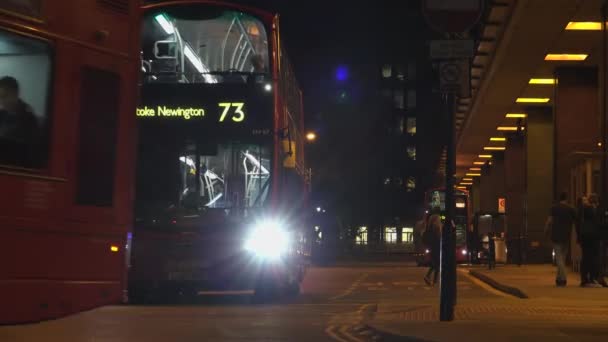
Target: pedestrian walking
432, 239
588, 238
558, 228
491, 251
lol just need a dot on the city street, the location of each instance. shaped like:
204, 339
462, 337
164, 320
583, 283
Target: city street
334, 305
341, 303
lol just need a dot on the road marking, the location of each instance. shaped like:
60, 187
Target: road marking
482, 284
330, 331
352, 287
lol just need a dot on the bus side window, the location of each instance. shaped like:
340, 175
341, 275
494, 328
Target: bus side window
98, 125
25, 80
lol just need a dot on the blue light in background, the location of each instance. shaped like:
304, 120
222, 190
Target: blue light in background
342, 73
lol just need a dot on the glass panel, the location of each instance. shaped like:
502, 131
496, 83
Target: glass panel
98, 122
398, 100
411, 99
407, 235
387, 71
390, 234
411, 126
411, 152
224, 175
411, 71
25, 81
411, 183
204, 45
361, 238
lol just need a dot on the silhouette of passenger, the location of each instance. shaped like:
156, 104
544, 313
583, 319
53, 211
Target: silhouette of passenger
18, 124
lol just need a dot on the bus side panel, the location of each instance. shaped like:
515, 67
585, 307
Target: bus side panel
58, 257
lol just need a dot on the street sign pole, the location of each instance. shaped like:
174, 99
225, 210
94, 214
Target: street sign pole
451, 17
448, 234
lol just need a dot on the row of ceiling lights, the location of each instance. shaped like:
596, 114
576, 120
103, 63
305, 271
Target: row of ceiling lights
475, 171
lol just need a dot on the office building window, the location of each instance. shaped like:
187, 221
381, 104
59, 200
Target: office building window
411, 99
410, 184
411, 126
411, 71
400, 73
390, 234
361, 238
411, 152
407, 235
387, 71
398, 100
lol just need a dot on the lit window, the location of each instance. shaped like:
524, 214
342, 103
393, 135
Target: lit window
25, 88
411, 152
390, 234
387, 71
411, 183
361, 238
407, 235
411, 126
398, 99
411, 98
387, 181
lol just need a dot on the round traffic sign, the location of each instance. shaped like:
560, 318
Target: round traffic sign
452, 16
450, 72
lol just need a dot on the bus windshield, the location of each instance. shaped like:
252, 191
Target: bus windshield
195, 176
203, 44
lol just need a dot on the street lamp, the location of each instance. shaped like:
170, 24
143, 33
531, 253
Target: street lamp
311, 136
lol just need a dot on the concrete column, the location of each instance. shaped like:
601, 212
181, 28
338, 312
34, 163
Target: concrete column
492, 184
515, 195
539, 182
576, 117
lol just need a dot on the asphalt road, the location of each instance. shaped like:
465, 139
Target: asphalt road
334, 305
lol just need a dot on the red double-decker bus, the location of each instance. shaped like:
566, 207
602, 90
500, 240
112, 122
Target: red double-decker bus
221, 179
68, 76
435, 204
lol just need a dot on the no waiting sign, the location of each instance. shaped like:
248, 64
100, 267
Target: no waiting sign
454, 77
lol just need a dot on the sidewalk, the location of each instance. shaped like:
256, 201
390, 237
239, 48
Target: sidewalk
548, 313
538, 282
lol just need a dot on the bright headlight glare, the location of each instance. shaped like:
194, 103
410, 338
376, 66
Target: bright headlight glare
268, 240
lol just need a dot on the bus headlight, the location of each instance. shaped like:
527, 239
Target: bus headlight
268, 240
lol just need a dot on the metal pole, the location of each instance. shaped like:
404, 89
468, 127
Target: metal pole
448, 238
604, 130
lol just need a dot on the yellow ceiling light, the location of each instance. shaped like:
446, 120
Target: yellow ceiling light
494, 148
485, 156
479, 163
498, 139
463, 183
467, 179
461, 187
542, 81
584, 26
516, 115
532, 100
506, 128
475, 169
575, 57
473, 174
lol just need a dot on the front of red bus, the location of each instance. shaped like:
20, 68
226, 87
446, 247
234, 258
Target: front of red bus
206, 165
